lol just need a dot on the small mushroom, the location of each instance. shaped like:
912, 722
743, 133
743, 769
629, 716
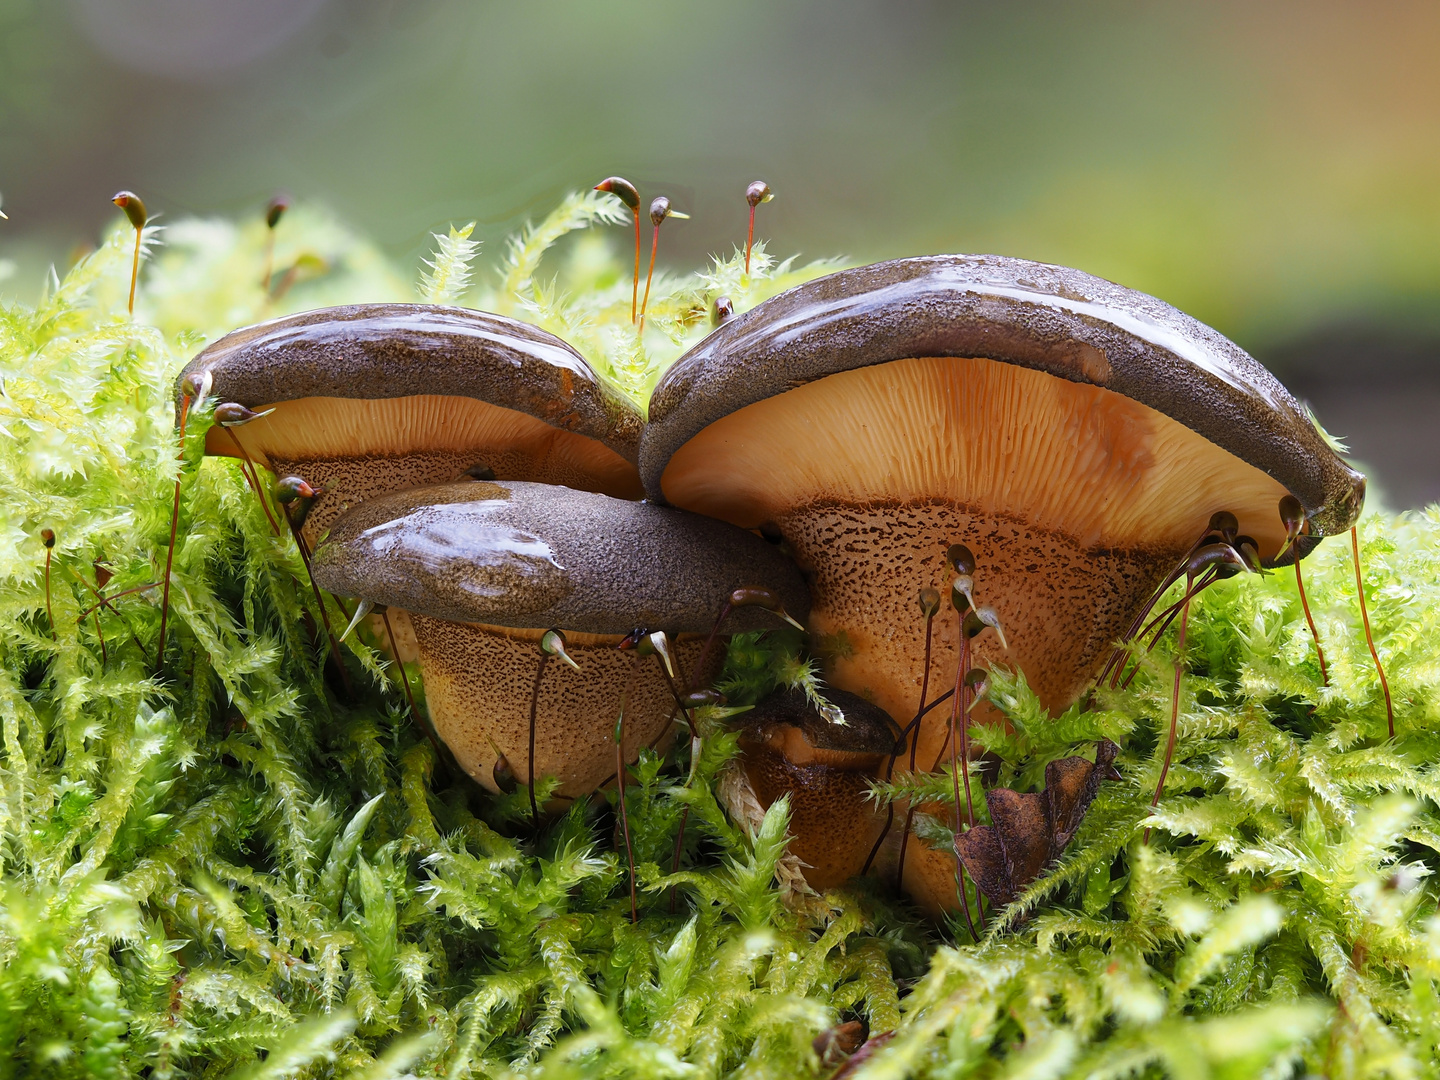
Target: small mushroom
788, 746
486, 569
376, 397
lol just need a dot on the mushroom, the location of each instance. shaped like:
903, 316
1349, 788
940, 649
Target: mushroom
1078, 436
370, 398
487, 570
1075, 434
788, 746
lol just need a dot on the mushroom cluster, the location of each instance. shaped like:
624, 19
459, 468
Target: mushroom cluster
1047, 449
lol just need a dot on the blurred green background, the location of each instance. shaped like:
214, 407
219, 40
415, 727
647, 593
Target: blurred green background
1271, 168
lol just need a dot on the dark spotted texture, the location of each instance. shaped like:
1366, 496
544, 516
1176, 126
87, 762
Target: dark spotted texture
1061, 606
1061, 321
391, 350
535, 556
788, 747
478, 685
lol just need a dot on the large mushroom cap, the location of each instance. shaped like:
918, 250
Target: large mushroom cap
1150, 422
375, 397
528, 555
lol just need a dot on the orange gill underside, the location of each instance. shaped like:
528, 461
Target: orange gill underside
394, 443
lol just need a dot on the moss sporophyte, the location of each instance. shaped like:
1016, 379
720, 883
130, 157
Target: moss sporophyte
691, 786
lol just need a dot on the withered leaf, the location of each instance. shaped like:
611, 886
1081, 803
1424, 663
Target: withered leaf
1031, 830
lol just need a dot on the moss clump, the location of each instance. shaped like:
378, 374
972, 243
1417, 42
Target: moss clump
227, 867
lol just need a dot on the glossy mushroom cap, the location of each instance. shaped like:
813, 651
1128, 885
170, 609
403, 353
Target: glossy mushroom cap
1245, 436
483, 570
374, 397
789, 747
526, 555
1075, 434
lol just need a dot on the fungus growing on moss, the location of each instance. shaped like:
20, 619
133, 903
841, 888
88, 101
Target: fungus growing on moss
1075, 434
485, 570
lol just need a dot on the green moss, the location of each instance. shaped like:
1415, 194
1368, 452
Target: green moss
230, 868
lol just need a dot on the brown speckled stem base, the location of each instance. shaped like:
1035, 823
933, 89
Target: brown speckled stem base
478, 682
832, 824
1062, 607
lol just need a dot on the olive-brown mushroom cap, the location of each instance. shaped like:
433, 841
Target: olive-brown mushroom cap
862, 729
381, 351
525, 555
1045, 318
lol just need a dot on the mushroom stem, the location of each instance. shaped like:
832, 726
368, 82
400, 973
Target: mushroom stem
530, 760
1174, 705
1310, 622
1369, 638
620, 783
174, 523
405, 682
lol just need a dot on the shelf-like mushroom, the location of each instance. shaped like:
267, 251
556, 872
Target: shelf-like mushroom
825, 764
370, 398
1077, 435
485, 569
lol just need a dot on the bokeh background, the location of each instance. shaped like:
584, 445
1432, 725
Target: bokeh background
1273, 168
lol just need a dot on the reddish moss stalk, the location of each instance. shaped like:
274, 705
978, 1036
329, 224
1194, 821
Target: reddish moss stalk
1174, 708
1369, 638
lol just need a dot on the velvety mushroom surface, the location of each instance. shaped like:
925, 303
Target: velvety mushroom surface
1076, 435
484, 569
825, 764
375, 397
